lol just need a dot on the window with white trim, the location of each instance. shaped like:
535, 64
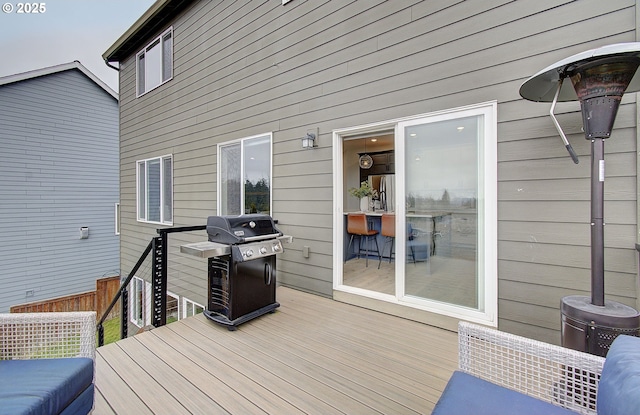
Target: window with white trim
190, 308
244, 171
154, 63
117, 218
140, 302
173, 311
155, 190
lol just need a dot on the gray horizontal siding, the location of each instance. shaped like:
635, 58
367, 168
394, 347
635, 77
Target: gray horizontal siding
59, 163
245, 67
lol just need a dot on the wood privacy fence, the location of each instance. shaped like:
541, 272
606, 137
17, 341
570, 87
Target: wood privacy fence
97, 300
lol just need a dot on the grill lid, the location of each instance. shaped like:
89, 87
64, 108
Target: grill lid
241, 229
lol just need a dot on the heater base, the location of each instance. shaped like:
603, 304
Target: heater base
592, 329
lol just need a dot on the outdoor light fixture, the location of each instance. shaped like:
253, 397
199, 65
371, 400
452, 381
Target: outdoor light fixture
599, 78
308, 140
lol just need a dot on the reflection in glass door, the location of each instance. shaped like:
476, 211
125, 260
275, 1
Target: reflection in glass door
442, 187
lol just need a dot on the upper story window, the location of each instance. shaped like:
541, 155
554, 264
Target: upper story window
155, 190
244, 171
154, 63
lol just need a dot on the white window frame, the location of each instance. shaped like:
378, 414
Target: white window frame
142, 56
187, 305
241, 141
488, 249
142, 214
117, 218
178, 305
144, 305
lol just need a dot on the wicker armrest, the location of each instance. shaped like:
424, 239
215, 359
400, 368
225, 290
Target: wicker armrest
47, 335
554, 374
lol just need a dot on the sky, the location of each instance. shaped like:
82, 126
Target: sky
64, 31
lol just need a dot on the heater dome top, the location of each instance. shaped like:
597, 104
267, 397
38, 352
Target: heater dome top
542, 86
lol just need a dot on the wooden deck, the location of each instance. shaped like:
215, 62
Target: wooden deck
312, 356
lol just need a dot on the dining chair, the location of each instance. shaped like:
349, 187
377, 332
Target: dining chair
357, 225
388, 230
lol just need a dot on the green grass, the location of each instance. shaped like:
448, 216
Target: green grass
111, 331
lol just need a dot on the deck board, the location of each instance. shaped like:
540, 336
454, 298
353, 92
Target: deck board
117, 395
205, 373
312, 356
262, 360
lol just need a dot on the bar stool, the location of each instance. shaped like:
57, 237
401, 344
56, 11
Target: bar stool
357, 225
388, 230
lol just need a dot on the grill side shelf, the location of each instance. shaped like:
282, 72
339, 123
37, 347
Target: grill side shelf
206, 249
214, 249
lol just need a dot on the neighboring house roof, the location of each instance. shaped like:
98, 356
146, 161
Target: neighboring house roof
152, 21
54, 69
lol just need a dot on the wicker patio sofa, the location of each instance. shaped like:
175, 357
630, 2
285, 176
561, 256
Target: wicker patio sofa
47, 363
501, 373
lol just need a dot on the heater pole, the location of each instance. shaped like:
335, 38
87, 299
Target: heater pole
597, 221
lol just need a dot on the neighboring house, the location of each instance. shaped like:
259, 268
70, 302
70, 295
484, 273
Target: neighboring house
59, 169
216, 94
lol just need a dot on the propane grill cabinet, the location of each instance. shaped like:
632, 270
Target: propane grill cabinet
241, 253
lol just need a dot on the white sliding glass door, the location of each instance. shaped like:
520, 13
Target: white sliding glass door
446, 208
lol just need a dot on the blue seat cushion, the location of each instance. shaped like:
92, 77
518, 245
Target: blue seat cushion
619, 387
43, 386
83, 404
466, 394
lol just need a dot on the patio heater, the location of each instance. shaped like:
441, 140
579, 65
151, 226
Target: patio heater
599, 78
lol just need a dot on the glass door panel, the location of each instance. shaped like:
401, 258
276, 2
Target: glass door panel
442, 187
369, 261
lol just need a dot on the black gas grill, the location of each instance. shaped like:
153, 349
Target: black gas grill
241, 253
249, 236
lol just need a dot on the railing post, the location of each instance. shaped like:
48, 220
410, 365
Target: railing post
159, 246
159, 280
100, 335
124, 313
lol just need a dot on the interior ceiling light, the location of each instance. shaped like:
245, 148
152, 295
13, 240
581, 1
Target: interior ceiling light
365, 160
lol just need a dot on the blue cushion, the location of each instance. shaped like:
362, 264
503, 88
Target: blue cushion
466, 394
619, 387
83, 404
43, 386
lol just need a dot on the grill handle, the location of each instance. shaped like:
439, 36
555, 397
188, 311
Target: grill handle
261, 237
268, 271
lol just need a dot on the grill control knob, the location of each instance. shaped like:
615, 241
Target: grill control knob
249, 253
276, 248
263, 250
